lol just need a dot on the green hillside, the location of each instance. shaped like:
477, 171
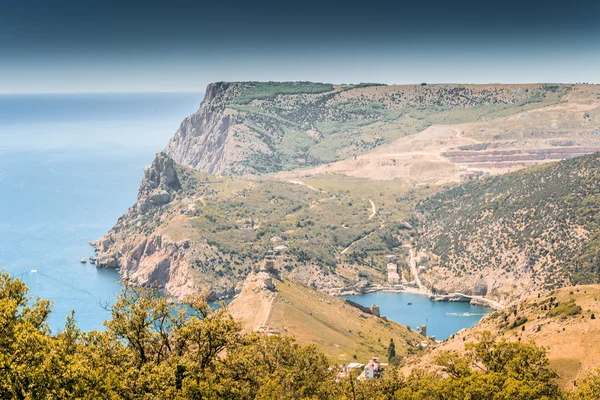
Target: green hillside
539, 226
217, 228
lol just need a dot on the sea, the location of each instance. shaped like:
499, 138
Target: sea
442, 319
71, 164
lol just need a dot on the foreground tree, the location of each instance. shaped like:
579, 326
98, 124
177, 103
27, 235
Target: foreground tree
155, 350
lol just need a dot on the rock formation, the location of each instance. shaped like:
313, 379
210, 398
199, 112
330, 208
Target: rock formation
159, 184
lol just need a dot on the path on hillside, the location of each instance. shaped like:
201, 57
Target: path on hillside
373, 214
414, 271
373, 209
269, 311
304, 184
358, 240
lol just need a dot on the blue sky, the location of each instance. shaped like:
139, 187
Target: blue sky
182, 45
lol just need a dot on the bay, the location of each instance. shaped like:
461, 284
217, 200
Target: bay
441, 318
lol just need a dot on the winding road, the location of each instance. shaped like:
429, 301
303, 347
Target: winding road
414, 271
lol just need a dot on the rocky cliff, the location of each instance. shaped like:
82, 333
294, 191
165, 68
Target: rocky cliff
209, 140
145, 256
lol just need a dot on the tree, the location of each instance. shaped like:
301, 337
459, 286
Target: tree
391, 350
588, 387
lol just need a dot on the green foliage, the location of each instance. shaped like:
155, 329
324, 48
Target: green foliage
588, 388
268, 90
152, 349
565, 310
533, 217
391, 350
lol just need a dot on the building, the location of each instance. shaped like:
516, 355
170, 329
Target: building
372, 369
392, 273
375, 310
268, 283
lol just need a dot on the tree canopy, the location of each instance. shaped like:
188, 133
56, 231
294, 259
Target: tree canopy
152, 349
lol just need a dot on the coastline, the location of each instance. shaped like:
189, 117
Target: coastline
453, 297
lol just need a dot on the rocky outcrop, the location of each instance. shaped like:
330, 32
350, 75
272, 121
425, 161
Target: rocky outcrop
216, 139
159, 184
151, 261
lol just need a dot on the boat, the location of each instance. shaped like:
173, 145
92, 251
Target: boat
409, 304
83, 260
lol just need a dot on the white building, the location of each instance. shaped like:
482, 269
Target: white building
371, 369
392, 273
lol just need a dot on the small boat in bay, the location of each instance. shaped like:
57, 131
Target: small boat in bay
409, 304
83, 260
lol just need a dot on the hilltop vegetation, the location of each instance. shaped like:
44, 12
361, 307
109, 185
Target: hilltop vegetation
536, 229
270, 90
149, 350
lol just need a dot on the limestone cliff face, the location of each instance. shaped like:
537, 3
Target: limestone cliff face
159, 184
215, 138
146, 256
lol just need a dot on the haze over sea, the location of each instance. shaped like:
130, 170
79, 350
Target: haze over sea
70, 165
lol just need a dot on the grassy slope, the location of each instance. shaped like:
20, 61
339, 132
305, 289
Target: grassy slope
572, 341
315, 317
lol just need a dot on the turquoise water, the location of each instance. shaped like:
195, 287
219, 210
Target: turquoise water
70, 165
442, 318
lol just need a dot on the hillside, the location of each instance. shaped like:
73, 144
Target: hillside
465, 143
535, 229
343, 333
229, 186
565, 322
253, 128
190, 229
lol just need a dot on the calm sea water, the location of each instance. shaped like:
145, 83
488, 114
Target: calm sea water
442, 318
70, 165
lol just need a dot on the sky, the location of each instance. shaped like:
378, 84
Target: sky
75, 46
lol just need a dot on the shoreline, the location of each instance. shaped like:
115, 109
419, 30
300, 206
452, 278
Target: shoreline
454, 297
